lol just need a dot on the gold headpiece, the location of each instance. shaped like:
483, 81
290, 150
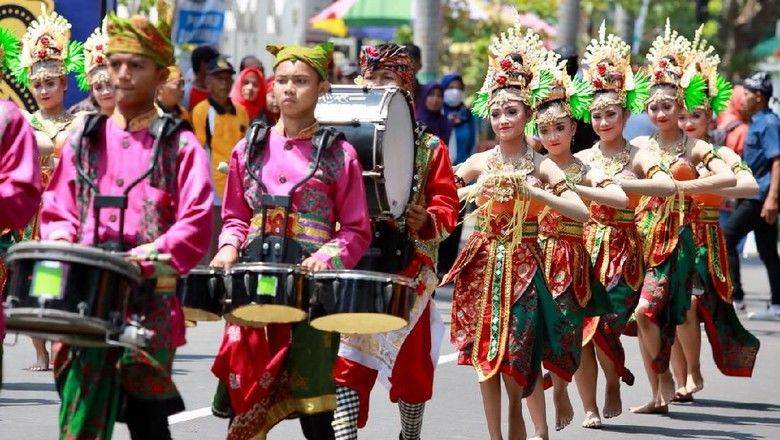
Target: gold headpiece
666, 60
45, 46
702, 65
515, 66
607, 62
95, 67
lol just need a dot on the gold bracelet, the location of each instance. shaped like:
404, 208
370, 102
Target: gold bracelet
709, 157
653, 170
605, 183
561, 187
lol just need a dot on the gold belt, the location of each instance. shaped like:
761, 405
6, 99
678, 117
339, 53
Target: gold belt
530, 230
570, 229
709, 214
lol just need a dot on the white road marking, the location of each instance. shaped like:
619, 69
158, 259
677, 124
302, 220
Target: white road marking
206, 412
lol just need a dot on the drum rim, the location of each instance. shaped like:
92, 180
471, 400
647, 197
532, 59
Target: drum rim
74, 253
276, 267
365, 275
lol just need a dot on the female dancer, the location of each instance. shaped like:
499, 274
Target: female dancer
502, 310
94, 76
611, 237
734, 349
665, 222
46, 57
566, 264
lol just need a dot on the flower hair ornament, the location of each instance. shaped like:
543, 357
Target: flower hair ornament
607, 67
47, 51
95, 66
702, 66
667, 58
9, 50
575, 96
519, 69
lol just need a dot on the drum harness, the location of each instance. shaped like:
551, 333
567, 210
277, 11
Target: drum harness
133, 335
274, 249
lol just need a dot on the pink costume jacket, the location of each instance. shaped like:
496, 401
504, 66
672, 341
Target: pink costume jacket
334, 195
171, 209
20, 182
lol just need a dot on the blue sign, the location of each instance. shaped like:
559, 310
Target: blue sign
200, 22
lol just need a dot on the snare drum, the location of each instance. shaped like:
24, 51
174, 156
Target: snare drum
379, 123
354, 301
264, 293
68, 292
202, 294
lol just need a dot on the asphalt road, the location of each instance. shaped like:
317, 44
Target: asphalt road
728, 408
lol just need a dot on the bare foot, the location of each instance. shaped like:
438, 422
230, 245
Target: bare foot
540, 434
592, 420
695, 383
665, 388
613, 405
650, 408
564, 413
41, 363
682, 396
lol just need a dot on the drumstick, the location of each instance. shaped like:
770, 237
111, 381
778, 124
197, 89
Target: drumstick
164, 258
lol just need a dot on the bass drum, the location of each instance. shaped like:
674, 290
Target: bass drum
379, 123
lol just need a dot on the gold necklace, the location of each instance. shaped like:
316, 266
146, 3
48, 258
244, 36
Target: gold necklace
575, 172
667, 157
51, 126
611, 165
523, 163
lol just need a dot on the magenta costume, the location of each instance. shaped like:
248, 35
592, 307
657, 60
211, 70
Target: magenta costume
284, 370
168, 212
20, 184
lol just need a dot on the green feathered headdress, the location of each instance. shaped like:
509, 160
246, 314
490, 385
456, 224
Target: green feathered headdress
9, 50
702, 69
47, 49
519, 68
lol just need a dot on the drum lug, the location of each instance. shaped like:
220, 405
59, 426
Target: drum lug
82, 308
248, 283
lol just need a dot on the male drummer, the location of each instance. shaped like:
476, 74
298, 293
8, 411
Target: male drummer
431, 216
168, 213
284, 370
20, 187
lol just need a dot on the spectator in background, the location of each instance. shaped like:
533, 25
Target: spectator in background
733, 122
584, 136
464, 124
249, 93
271, 106
759, 214
347, 72
170, 94
218, 125
200, 59
251, 61
462, 144
414, 52
428, 110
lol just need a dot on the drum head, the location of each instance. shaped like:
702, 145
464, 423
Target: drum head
358, 323
257, 315
398, 153
193, 314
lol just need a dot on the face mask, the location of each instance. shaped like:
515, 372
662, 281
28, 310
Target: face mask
453, 97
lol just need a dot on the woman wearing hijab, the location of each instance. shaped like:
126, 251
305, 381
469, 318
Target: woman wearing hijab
463, 122
428, 110
249, 92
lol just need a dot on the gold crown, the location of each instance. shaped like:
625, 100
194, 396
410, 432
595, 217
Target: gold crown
95, 49
46, 39
702, 60
667, 58
515, 59
607, 62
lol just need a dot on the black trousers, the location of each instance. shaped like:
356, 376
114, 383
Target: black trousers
318, 426
745, 218
146, 420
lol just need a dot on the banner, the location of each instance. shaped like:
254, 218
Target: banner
199, 22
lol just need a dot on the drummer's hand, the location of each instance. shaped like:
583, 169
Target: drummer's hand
314, 264
417, 217
225, 258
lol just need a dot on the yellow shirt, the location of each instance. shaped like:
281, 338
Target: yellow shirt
227, 129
